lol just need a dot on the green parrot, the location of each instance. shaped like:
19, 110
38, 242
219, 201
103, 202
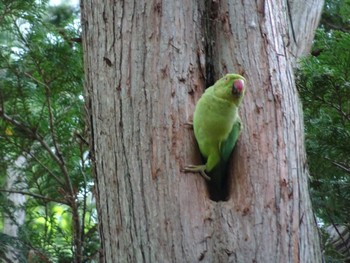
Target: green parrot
217, 125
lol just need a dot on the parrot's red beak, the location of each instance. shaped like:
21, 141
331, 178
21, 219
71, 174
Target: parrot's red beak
238, 86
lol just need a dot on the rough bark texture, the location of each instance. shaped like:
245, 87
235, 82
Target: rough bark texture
146, 65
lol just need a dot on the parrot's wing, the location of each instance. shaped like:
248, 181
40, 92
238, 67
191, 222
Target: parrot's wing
228, 145
218, 188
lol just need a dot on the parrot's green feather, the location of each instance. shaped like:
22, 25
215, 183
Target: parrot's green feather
217, 126
228, 145
218, 175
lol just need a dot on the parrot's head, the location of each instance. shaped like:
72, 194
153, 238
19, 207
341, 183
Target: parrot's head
231, 87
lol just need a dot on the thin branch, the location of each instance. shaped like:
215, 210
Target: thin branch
40, 139
344, 27
46, 168
61, 163
35, 79
39, 162
32, 133
342, 113
331, 105
339, 165
52, 125
57, 148
59, 156
18, 124
45, 198
341, 236
342, 167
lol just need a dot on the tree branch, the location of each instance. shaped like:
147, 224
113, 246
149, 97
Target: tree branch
46, 168
45, 198
338, 109
342, 166
40, 139
58, 156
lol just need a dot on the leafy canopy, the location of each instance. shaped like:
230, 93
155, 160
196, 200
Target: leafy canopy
41, 118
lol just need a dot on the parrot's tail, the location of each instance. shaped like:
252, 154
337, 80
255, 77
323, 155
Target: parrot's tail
218, 186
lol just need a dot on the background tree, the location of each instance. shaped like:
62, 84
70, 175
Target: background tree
14, 219
323, 82
146, 65
41, 119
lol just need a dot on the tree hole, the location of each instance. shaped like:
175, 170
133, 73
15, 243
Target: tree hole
218, 186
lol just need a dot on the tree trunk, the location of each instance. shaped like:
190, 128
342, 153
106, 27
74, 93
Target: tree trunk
147, 63
15, 180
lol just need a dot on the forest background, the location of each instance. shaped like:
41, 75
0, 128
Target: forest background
47, 206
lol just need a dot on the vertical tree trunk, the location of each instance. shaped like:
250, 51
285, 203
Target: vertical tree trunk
15, 180
146, 65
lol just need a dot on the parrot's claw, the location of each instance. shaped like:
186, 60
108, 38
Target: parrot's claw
189, 124
206, 177
197, 168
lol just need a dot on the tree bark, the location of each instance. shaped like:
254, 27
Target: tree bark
146, 64
15, 180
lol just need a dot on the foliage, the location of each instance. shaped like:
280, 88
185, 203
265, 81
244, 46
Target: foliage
41, 118
324, 86
336, 15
